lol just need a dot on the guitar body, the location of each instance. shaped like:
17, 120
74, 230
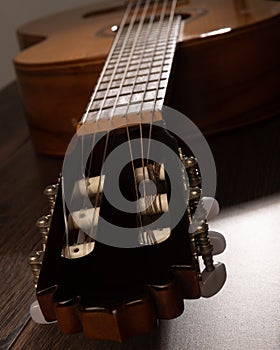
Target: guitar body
221, 81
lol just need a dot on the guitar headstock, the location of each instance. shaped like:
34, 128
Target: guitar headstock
94, 282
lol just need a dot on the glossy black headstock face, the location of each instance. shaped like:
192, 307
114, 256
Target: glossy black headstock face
136, 200
132, 175
114, 251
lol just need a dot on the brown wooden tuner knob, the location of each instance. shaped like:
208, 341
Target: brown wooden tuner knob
218, 242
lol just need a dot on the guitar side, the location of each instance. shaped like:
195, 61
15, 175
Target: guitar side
220, 81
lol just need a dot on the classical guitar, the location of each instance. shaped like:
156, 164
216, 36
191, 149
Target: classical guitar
224, 76
128, 230
128, 222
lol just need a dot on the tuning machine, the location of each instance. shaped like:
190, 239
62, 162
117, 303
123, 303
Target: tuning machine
43, 225
204, 243
209, 243
51, 192
35, 262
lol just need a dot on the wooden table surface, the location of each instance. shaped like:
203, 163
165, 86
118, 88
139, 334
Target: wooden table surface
244, 315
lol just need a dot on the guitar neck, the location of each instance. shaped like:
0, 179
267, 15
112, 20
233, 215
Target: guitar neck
134, 80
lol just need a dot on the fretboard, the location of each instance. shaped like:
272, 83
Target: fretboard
133, 83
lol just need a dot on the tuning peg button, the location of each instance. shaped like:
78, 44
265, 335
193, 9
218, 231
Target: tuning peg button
218, 242
211, 206
213, 281
37, 315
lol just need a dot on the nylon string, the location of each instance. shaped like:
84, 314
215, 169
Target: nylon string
126, 39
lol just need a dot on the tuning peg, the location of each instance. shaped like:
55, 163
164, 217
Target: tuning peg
211, 206
37, 315
213, 281
51, 192
35, 262
218, 242
189, 162
43, 224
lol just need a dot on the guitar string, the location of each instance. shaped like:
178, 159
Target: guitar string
86, 114
108, 89
127, 67
100, 80
67, 245
170, 23
112, 51
150, 237
129, 141
132, 51
136, 74
161, 22
127, 36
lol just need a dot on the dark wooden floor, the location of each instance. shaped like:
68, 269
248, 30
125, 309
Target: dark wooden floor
244, 315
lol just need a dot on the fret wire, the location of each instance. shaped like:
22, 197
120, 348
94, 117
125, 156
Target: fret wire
118, 77
124, 103
138, 88
123, 97
139, 48
145, 55
129, 85
148, 48
142, 72
115, 43
123, 47
133, 67
138, 32
138, 80
116, 82
153, 42
160, 24
113, 95
121, 76
144, 61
